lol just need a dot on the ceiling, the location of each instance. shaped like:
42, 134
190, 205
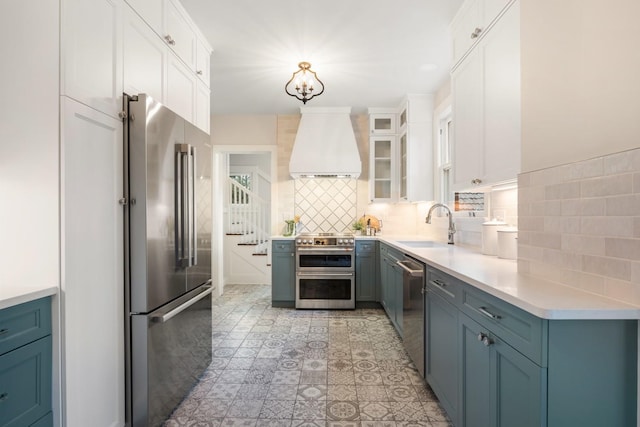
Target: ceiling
368, 53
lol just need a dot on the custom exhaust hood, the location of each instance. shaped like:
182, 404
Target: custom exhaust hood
325, 145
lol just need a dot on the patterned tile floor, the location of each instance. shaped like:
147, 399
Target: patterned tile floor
311, 368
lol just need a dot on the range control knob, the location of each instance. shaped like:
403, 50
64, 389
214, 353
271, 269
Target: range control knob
351, 241
340, 241
299, 241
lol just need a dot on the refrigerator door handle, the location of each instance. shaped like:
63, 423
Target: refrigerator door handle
182, 205
162, 318
194, 211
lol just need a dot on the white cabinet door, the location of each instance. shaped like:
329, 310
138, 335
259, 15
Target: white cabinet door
203, 107
92, 298
152, 11
203, 61
179, 34
91, 53
463, 27
466, 88
501, 58
181, 88
145, 58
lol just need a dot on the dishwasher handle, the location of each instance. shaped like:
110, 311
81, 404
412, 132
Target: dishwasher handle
406, 266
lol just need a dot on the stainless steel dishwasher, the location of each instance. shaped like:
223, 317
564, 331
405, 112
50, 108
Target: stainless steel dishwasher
413, 284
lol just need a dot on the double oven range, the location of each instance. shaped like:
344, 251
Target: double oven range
325, 271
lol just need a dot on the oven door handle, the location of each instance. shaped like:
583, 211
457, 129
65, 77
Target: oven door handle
300, 273
324, 250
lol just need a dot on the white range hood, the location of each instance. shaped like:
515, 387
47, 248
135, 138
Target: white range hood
325, 145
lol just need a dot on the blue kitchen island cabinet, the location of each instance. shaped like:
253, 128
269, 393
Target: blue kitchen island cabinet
283, 273
366, 271
512, 368
25, 364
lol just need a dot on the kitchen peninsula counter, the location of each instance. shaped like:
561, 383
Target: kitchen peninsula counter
500, 278
14, 295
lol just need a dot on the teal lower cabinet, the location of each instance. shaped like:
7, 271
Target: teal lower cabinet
366, 271
441, 355
508, 367
283, 273
391, 286
26, 364
498, 385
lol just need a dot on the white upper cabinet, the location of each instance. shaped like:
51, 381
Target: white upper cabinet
416, 149
486, 107
203, 107
400, 161
471, 23
179, 33
181, 89
203, 61
91, 53
145, 58
152, 11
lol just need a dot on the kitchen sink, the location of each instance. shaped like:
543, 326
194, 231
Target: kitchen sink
417, 243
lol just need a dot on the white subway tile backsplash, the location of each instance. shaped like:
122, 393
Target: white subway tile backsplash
622, 248
593, 207
608, 267
628, 205
581, 170
607, 186
606, 226
626, 161
585, 245
555, 224
545, 240
567, 190
593, 241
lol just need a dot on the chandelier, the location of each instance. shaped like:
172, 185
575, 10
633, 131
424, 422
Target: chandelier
301, 85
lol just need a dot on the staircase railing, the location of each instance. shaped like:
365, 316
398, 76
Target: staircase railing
248, 216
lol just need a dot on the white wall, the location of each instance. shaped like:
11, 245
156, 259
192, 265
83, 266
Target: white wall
244, 129
29, 175
580, 85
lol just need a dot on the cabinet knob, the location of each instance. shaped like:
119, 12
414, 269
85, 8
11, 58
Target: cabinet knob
481, 336
122, 115
4, 396
487, 341
476, 181
476, 33
199, 72
170, 39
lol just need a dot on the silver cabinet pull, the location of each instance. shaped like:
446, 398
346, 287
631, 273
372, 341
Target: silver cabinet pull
476, 33
487, 341
437, 282
199, 72
4, 331
4, 396
487, 313
476, 181
481, 336
170, 39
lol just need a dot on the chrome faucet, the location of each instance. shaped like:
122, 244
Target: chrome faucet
452, 227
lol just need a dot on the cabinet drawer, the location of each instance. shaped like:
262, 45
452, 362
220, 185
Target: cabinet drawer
366, 246
24, 323
46, 421
25, 383
444, 285
282, 246
521, 330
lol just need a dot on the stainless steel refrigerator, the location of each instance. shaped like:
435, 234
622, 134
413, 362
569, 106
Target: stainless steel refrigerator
168, 258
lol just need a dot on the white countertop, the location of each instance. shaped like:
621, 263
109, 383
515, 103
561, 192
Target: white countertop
14, 295
500, 278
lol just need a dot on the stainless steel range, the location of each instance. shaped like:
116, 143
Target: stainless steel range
325, 271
